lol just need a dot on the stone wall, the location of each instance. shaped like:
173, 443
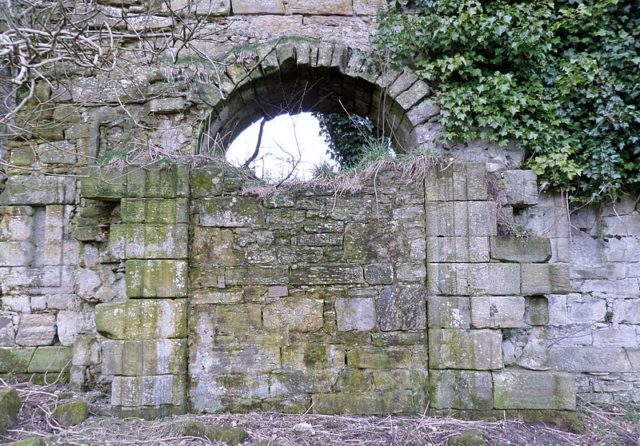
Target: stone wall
174, 290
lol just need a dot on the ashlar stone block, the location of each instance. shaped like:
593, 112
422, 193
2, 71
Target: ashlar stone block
34, 190
461, 219
545, 278
50, 360
294, 314
156, 278
142, 319
327, 7
402, 308
473, 279
137, 358
457, 249
130, 391
449, 311
16, 253
15, 360
368, 403
526, 389
465, 349
497, 311
378, 274
330, 274
230, 212
459, 182
355, 314
461, 389
36, 330
521, 187
521, 249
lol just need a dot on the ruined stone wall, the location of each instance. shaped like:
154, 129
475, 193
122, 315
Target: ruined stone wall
173, 290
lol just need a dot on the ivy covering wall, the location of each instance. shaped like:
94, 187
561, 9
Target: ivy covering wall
560, 78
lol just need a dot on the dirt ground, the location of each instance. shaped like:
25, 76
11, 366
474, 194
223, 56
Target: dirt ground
602, 426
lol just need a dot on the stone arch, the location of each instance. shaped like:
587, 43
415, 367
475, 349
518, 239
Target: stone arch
296, 75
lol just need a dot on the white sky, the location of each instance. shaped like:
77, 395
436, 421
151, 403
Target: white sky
285, 140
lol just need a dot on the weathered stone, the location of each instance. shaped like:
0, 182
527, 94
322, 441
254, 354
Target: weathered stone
135, 241
368, 403
465, 349
257, 7
460, 389
537, 310
457, 249
163, 211
36, 330
16, 253
368, 7
15, 360
50, 360
402, 308
461, 219
156, 278
257, 275
136, 358
211, 7
521, 249
333, 274
329, 7
411, 272
164, 105
378, 274
521, 187
216, 433
545, 279
71, 413
383, 358
464, 279
234, 212
524, 389
590, 359
294, 314
159, 319
459, 182
153, 390
59, 152
21, 190
449, 312
29, 441
67, 327
497, 311
467, 438
10, 404
358, 314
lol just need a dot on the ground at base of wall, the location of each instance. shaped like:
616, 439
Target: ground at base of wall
598, 426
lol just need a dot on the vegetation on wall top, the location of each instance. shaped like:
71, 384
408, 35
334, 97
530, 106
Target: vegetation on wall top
561, 78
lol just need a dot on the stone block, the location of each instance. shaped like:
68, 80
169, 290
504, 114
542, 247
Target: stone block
166, 105
521, 249
216, 297
137, 358
160, 211
257, 275
67, 327
411, 272
623, 225
257, 6
625, 311
294, 314
15, 360
449, 312
206, 181
328, 7
313, 355
366, 242
10, 405
378, 274
460, 389
521, 187
402, 308
156, 278
71, 413
545, 279
536, 310
136, 241
497, 311
16, 253
211, 7
230, 212
58, 152
459, 182
333, 274
589, 359
16, 223
465, 349
50, 360
367, 403
129, 391
526, 389
325, 239
34, 190
461, 219
457, 249
473, 279
36, 330
355, 314
392, 357
152, 319
368, 7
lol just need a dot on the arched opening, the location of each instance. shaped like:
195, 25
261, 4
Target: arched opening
300, 76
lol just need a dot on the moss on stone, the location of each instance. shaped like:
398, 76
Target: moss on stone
222, 432
51, 359
15, 360
29, 441
468, 438
72, 413
9, 407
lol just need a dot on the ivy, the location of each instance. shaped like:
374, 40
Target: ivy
561, 78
